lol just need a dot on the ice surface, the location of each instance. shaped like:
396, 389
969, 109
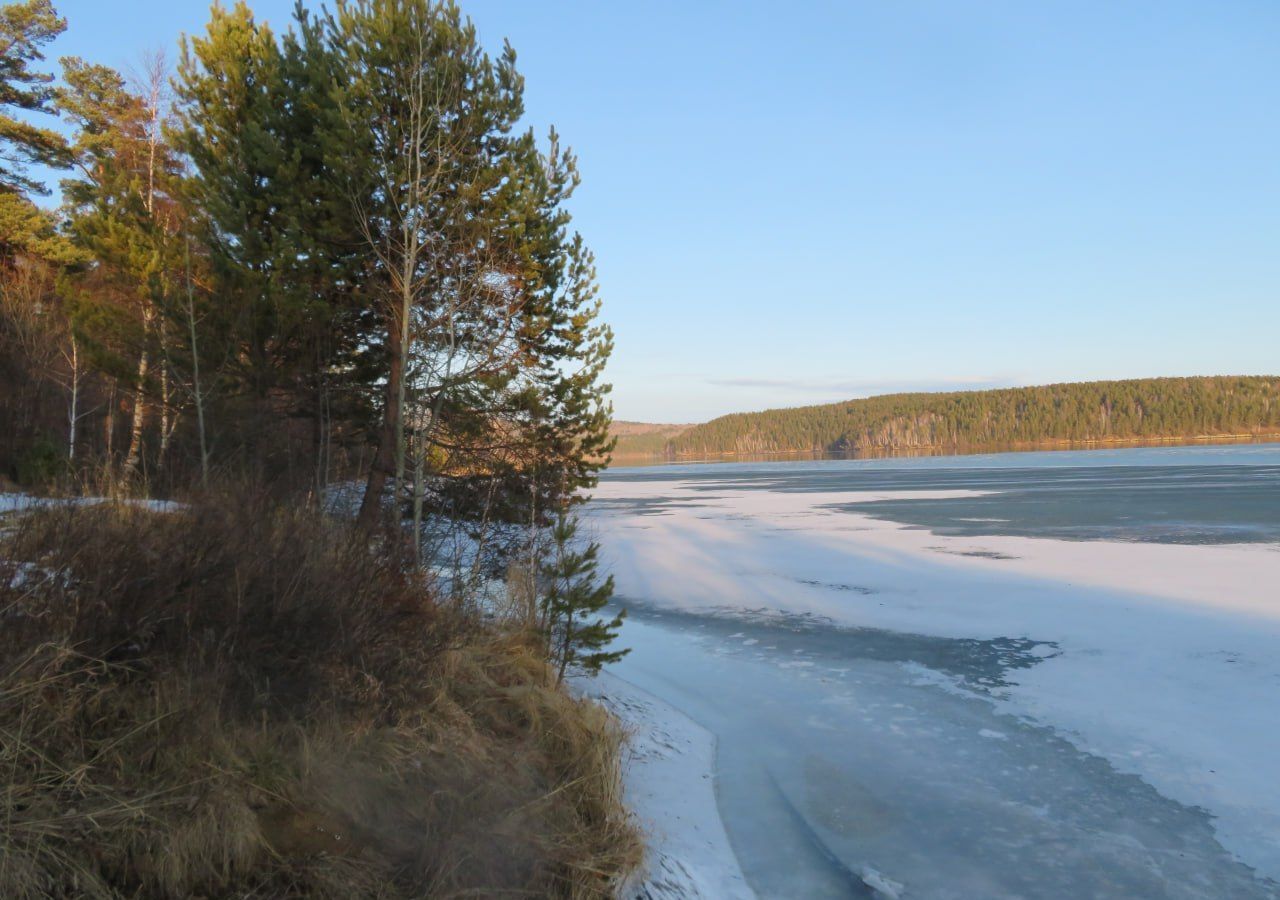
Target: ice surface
851, 775
1134, 684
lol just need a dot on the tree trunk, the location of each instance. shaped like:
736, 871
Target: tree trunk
419, 472
320, 437
384, 460
134, 458
405, 309
565, 648
167, 419
73, 416
111, 424
196, 391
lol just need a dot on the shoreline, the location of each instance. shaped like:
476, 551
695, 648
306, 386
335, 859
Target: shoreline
624, 459
669, 785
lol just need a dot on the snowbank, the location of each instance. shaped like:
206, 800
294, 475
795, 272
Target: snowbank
18, 502
13, 502
669, 784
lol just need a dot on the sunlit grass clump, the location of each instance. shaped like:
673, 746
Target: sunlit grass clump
244, 700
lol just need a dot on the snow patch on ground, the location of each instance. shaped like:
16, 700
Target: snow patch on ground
14, 502
669, 783
19, 502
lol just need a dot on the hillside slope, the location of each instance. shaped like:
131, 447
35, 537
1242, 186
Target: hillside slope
1137, 409
644, 438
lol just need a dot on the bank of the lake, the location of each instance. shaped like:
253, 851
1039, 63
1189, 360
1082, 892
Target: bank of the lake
624, 456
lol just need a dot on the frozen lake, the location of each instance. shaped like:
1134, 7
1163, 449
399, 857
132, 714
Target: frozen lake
1022, 675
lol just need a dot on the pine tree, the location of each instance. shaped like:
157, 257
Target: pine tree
261, 125
230, 101
572, 594
124, 212
425, 158
38, 345
26, 230
36, 337
25, 28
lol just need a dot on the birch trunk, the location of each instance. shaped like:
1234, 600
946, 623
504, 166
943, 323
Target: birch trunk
73, 414
197, 391
167, 418
133, 459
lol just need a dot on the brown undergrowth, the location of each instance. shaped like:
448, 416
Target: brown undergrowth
243, 700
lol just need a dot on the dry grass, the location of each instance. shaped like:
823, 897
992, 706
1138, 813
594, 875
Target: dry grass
240, 700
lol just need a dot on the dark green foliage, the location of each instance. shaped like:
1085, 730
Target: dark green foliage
29, 231
391, 257
341, 227
273, 213
1148, 408
40, 464
25, 29
572, 594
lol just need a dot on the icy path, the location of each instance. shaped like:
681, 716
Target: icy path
1085, 719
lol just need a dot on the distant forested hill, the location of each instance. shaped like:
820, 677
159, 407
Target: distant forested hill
1147, 408
644, 438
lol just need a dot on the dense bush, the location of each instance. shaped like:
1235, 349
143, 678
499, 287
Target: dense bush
39, 464
246, 700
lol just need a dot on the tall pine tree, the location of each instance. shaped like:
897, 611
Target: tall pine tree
123, 210
261, 126
25, 29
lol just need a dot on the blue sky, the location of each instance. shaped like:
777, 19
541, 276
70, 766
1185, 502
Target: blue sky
821, 200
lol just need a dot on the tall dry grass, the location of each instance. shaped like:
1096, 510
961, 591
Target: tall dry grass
245, 700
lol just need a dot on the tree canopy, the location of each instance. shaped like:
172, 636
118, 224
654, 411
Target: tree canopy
320, 253
25, 29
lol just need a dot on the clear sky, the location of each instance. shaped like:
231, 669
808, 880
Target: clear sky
804, 202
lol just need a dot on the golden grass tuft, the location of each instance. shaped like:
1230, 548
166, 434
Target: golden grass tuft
244, 700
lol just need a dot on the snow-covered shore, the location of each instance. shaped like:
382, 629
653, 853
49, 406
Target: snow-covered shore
1167, 658
669, 781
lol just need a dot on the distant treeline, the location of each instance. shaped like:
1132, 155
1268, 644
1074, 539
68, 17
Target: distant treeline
1138, 409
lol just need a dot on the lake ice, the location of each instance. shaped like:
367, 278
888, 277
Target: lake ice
1050, 675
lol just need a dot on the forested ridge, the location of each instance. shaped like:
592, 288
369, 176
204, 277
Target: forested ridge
1136, 409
